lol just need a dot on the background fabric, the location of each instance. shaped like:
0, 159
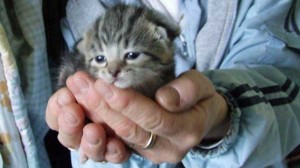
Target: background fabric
11, 146
25, 65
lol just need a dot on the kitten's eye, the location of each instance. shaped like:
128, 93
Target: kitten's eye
100, 59
131, 55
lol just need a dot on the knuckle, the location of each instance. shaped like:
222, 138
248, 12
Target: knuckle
155, 122
64, 96
121, 100
125, 102
98, 113
164, 123
126, 129
199, 79
190, 83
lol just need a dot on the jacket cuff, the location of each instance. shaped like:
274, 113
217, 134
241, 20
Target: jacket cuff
220, 147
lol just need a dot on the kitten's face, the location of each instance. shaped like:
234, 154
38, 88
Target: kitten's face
124, 67
127, 48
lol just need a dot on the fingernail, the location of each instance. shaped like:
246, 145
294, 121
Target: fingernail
111, 150
91, 139
69, 118
103, 89
63, 99
81, 84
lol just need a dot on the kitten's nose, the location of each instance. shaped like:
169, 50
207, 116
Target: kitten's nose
114, 68
114, 72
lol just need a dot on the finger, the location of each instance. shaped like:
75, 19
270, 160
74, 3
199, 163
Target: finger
81, 85
97, 110
123, 127
185, 91
71, 122
93, 142
138, 108
116, 152
54, 107
148, 116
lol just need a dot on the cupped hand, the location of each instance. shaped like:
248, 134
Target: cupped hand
186, 110
67, 115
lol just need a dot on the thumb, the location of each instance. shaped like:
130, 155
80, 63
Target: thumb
185, 91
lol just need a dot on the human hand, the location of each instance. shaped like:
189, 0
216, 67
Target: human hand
190, 93
189, 113
197, 110
66, 116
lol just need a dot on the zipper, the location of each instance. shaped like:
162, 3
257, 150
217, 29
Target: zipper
227, 39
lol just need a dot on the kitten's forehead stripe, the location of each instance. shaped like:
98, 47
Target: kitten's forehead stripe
120, 38
106, 35
117, 25
103, 39
126, 42
132, 19
98, 42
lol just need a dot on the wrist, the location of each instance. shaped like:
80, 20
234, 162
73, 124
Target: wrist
221, 123
224, 133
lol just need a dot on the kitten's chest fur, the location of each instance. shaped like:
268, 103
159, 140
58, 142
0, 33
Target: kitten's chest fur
129, 47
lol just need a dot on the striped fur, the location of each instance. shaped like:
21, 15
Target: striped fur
130, 47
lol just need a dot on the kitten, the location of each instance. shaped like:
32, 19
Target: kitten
129, 47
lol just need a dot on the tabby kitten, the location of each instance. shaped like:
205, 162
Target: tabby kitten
129, 47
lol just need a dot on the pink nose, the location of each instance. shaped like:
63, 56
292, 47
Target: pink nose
114, 72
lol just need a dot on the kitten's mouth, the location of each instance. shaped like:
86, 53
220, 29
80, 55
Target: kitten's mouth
120, 83
114, 80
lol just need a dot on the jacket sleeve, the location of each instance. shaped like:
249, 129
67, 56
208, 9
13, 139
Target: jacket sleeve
260, 77
265, 117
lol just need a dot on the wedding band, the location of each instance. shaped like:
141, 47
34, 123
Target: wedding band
150, 143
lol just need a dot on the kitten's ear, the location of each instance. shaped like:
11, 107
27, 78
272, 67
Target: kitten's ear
85, 42
169, 24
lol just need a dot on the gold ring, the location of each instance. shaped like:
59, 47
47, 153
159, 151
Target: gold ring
151, 141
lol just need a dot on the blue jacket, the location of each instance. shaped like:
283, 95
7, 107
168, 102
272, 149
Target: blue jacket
250, 51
